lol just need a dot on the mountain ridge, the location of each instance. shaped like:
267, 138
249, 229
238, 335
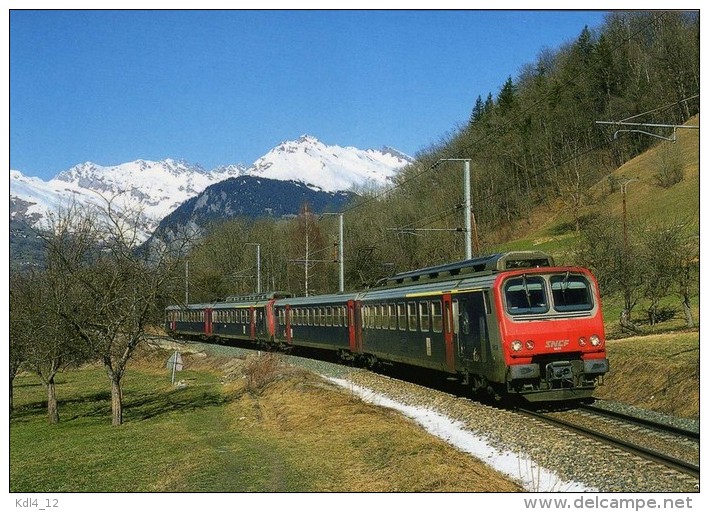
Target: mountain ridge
160, 187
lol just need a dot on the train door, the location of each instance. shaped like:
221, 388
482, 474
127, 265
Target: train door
289, 332
473, 338
270, 320
448, 331
354, 309
252, 318
208, 321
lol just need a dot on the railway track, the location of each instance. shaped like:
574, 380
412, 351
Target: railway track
644, 422
625, 427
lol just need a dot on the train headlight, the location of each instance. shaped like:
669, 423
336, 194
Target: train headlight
529, 344
595, 340
516, 345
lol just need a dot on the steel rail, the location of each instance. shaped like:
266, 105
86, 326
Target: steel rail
666, 460
663, 427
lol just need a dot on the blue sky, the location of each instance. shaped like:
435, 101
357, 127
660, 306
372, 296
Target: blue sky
223, 87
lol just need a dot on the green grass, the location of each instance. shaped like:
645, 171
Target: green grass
172, 439
658, 372
294, 432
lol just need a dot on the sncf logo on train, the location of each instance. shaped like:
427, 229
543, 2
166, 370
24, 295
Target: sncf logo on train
557, 344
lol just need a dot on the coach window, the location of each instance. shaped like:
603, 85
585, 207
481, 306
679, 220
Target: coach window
411, 309
424, 316
378, 316
436, 316
401, 313
392, 316
328, 316
336, 316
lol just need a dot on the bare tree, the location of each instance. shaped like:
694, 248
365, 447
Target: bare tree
38, 339
668, 257
307, 245
108, 285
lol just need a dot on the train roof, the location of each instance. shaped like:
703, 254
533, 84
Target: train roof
256, 297
472, 267
480, 271
332, 298
234, 301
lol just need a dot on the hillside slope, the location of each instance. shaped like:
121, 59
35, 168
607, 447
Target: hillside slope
551, 228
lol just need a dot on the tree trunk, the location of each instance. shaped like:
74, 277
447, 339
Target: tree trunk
687, 312
626, 322
52, 409
116, 402
12, 394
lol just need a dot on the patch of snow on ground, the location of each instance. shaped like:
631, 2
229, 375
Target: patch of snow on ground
515, 465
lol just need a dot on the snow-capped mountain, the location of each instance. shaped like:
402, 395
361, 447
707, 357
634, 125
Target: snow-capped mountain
328, 168
155, 187
159, 187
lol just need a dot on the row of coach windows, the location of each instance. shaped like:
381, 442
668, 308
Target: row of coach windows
329, 316
402, 316
187, 316
232, 316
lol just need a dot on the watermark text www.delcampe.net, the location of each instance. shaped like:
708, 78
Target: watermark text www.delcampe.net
603, 503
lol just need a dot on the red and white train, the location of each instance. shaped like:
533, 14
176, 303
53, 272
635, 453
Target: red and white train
510, 324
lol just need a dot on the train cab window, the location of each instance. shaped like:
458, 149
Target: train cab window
424, 316
436, 316
571, 293
526, 295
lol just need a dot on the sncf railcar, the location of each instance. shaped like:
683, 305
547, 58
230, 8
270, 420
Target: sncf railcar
511, 324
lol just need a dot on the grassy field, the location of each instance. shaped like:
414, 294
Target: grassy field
275, 431
658, 372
